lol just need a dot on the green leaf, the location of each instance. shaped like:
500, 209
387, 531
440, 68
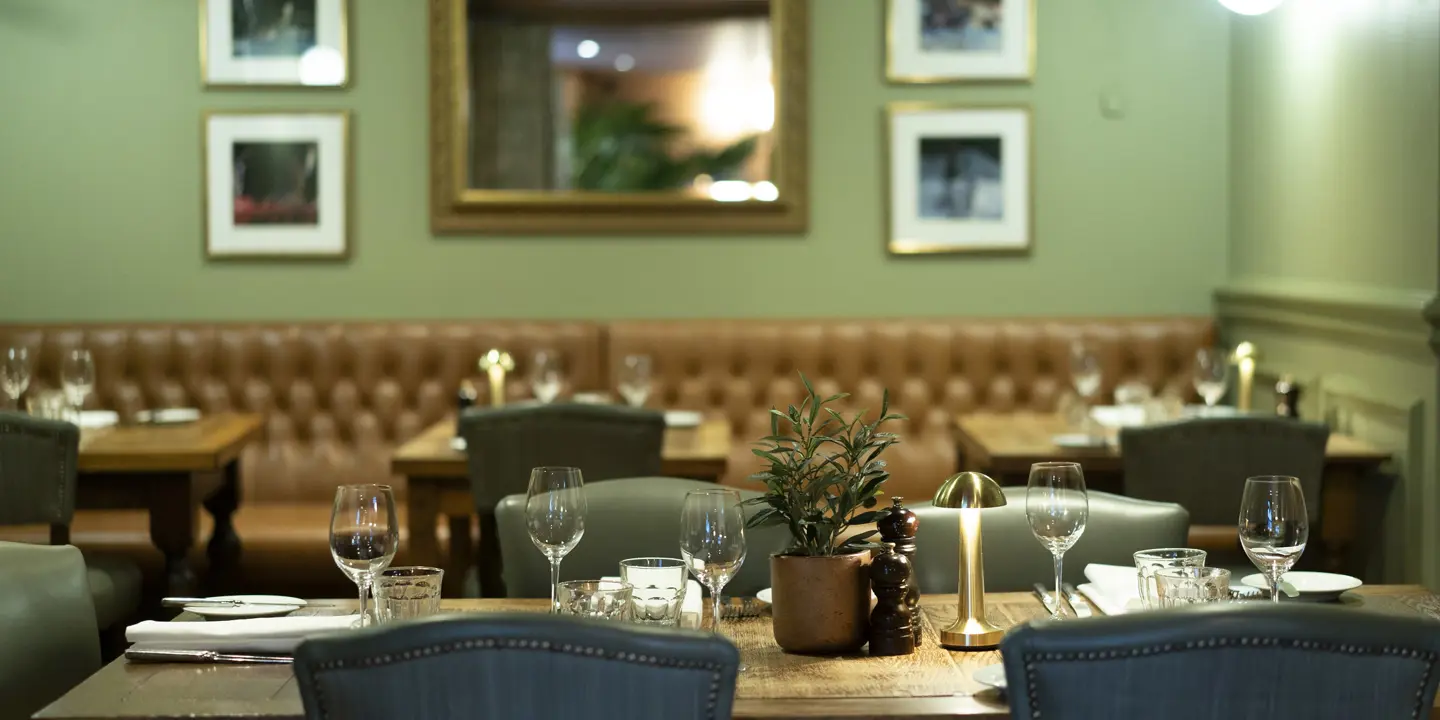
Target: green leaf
865, 518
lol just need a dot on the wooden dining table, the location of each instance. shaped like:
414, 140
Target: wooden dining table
170, 471
437, 483
932, 683
1005, 445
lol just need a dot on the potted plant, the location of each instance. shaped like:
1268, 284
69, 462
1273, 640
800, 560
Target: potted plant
825, 476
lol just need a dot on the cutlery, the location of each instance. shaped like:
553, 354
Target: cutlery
183, 601
1077, 601
203, 656
741, 608
1044, 597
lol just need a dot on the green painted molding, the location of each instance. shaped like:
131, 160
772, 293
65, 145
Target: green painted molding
1386, 319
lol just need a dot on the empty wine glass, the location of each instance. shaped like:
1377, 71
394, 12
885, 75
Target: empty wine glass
15, 373
364, 535
546, 376
1211, 374
1085, 371
635, 379
1057, 507
712, 540
555, 516
77, 376
1273, 526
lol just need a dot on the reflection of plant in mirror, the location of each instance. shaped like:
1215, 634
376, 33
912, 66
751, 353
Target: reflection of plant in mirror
620, 147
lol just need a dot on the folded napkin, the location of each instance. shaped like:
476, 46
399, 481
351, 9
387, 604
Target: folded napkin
1113, 588
692, 606
1118, 416
277, 635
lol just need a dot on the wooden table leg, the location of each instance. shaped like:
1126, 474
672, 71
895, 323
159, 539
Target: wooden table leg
423, 507
462, 548
1340, 507
172, 508
224, 546
492, 583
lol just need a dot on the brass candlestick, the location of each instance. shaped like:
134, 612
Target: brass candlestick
971, 492
495, 364
1245, 358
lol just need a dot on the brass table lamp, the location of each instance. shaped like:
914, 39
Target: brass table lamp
971, 492
1245, 358
495, 364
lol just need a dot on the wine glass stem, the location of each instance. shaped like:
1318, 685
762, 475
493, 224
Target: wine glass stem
1059, 565
364, 585
555, 584
715, 606
1275, 590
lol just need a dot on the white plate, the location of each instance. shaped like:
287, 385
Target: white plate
248, 611
991, 675
1316, 586
763, 596
591, 398
168, 416
1078, 440
97, 418
683, 418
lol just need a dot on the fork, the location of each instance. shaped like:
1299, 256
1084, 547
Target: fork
738, 608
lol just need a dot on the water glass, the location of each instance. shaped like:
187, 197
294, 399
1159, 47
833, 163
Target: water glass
598, 599
635, 380
406, 593
1147, 562
77, 376
1211, 374
364, 536
555, 517
47, 405
1057, 507
657, 589
1274, 526
1181, 586
546, 376
15, 373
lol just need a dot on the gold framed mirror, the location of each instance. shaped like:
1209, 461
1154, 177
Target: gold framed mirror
619, 116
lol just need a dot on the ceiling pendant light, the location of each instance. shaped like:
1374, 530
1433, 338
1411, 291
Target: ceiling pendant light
1251, 7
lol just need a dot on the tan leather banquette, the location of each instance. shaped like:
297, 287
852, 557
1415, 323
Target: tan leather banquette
338, 397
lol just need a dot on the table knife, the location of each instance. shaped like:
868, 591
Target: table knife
204, 656
183, 601
1044, 596
1077, 601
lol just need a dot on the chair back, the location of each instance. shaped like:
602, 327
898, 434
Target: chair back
517, 665
1015, 560
1223, 661
37, 470
48, 639
634, 517
604, 441
1202, 463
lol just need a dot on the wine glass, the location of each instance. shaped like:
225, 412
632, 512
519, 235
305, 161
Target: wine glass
364, 535
555, 516
1086, 376
712, 540
546, 377
15, 373
77, 376
1273, 526
1057, 507
1211, 374
635, 379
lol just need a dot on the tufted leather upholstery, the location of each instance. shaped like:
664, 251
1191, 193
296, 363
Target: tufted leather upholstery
1215, 662
934, 369
499, 665
337, 397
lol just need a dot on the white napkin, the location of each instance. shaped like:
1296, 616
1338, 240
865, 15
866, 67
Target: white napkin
254, 635
1113, 588
97, 418
692, 606
1118, 416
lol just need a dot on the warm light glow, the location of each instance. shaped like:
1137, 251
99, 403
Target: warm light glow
969, 526
624, 62
765, 191
587, 49
1251, 7
732, 107
322, 66
730, 191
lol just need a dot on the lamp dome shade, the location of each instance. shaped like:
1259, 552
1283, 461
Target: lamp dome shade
969, 490
1251, 7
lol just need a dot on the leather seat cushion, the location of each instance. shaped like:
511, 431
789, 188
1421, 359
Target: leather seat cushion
114, 587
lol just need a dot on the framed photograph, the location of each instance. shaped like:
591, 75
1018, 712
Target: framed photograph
274, 43
960, 178
940, 41
276, 185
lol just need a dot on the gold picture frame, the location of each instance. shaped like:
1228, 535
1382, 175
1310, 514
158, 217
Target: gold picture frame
268, 79
341, 245
896, 76
920, 246
456, 208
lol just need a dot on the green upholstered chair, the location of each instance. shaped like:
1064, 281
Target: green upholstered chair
37, 486
48, 638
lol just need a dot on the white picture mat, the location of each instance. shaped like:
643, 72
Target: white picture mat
909, 231
909, 59
222, 67
327, 237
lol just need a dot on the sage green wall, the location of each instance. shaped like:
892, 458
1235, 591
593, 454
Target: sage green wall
100, 183
1335, 232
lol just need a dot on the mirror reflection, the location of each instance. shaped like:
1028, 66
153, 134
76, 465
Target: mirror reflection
620, 96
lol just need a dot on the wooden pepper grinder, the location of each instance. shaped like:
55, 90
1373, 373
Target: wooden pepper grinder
890, 632
898, 525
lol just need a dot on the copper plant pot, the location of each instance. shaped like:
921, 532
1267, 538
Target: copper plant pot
821, 604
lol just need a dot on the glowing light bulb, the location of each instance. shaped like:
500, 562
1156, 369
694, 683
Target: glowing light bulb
587, 49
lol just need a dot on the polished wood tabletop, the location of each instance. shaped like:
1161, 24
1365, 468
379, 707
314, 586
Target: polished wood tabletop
933, 683
207, 444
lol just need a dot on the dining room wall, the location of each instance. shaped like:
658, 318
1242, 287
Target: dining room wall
100, 185
1335, 236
